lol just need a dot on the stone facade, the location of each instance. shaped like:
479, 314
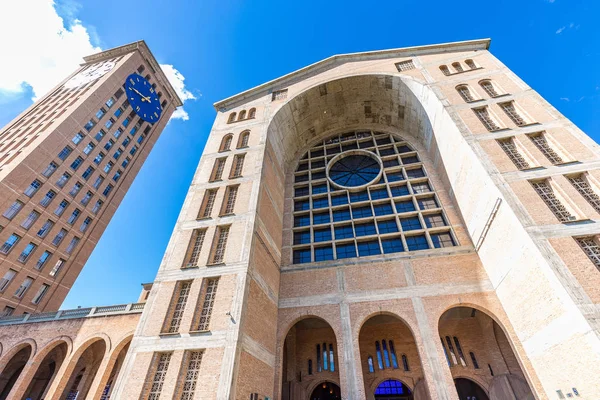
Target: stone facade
481, 304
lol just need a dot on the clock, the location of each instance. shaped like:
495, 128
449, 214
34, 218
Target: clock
89, 74
142, 98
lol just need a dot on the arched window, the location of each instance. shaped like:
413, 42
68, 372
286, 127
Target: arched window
471, 64
489, 88
310, 366
242, 115
331, 362
386, 355
243, 140
444, 70
379, 358
457, 67
252, 113
226, 142
393, 355
405, 362
465, 93
231, 117
370, 363
474, 360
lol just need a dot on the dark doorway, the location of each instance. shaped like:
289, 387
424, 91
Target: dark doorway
469, 390
393, 390
326, 391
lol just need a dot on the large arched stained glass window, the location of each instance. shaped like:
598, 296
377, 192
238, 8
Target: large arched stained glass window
361, 194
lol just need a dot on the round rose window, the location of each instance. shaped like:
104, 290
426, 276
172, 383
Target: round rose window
354, 169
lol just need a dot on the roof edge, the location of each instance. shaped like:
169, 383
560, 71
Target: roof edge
128, 48
483, 44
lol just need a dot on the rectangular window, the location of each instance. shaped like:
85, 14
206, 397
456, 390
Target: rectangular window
99, 158
588, 244
544, 189
125, 162
64, 153
512, 112
57, 267
100, 135
97, 206
218, 168
156, 376
107, 190
74, 216
61, 208
72, 245
133, 150
7, 312
177, 307
117, 133
88, 149
405, 65
189, 377
117, 176
31, 218
62, 181
229, 200
33, 187
59, 237
109, 123
98, 182
86, 199
45, 228
219, 244
13, 210
8, 277
542, 144
10, 243
208, 203
109, 103
50, 169
108, 166
78, 138
101, 112
238, 165
486, 119
126, 143
43, 260
85, 224
119, 152
27, 251
23, 288
87, 173
194, 248
279, 95
40, 293
208, 294
585, 190
109, 144
76, 188
47, 198
76, 163
89, 125
511, 150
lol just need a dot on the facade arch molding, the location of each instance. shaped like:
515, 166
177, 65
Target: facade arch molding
15, 349
482, 384
360, 323
52, 344
314, 385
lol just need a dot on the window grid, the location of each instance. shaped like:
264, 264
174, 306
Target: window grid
513, 114
238, 165
591, 248
178, 306
486, 119
545, 191
542, 144
218, 169
220, 244
230, 200
158, 371
489, 88
586, 191
405, 65
209, 203
511, 150
465, 93
207, 306
190, 377
326, 218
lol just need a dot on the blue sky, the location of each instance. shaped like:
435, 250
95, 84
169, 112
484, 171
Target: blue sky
224, 47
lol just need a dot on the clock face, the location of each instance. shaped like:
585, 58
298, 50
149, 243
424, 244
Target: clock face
142, 98
89, 74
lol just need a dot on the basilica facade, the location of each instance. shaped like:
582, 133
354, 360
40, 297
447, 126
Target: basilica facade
415, 223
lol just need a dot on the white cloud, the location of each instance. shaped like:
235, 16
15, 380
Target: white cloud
560, 30
570, 26
565, 99
44, 48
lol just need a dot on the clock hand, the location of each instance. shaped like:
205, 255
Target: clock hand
144, 98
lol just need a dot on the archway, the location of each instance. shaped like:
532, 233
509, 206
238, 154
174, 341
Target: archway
477, 351
388, 354
46, 372
13, 370
469, 390
309, 356
392, 389
326, 391
113, 371
84, 371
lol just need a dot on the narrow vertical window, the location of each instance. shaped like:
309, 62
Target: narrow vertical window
72, 245
219, 244
33, 187
370, 364
57, 267
177, 307
59, 237
310, 367
13, 209
30, 220
474, 360
511, 110
405, 363
331, 362
43, 260
27, 251
471, 64
591, 248
379, 357
238, 165
40, 293
393, 354
486, 119
444, 70
6, 279
465, 93
489, 88
542, 144
23, 288
210, 293
451, 349
545, 191
208, 203
585, 190
386, 355
10, 243
252, 113
242, 115
229, 200
460, 352
243, 140
325, 358
511, 150
50, 169
218, 168
457, 67
156, 376
231, 118
192, 361
319, 368
195, 247
226, 142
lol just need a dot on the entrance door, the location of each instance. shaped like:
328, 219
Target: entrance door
469, 390
393, 390
326, 391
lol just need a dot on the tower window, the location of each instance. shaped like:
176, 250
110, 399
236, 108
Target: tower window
189, 378
515, 115
177, 307
279, 95
457, 67
238, 164
208, 295
10, 243
229, 200
545, 191
243, 141
511, 150
589, 245
231, 118
242, 115
208, 203
13, 209
444, 70
252, 113
585, 189
465, 93
471, 64
489, 87
226, 142
218, 168
156, 375
405, 65
474, 360
195, 247
219, 244
542, 144
486, 119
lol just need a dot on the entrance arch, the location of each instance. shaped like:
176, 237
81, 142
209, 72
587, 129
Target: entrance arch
326, 391
46, 371
13, 369
83, 371
477, 352
393, 389
309, 356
